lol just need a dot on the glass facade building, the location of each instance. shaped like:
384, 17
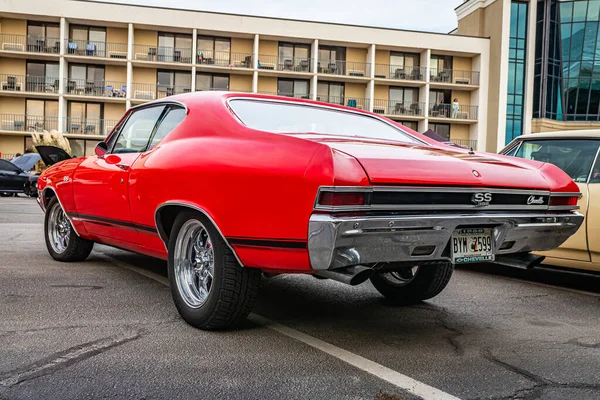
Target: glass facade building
567, 60
516, 69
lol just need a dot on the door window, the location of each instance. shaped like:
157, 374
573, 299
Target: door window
135, 134
595, 176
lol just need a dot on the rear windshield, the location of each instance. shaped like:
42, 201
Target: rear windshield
575, 157
299, 118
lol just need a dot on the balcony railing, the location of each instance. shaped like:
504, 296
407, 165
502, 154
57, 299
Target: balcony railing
285, 94
27, 123
96, 49
400, 72
279, 63
143, 52
89, 126
452, 112
396, 107
224, 59
148, 91
349, 68
454, 76
31, 44
469, 144
27, 83
84, 87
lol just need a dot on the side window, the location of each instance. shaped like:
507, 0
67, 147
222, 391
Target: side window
169, 122
595, 176
511, 152
135, 134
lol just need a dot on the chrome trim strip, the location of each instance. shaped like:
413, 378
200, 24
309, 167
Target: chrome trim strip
43, 196
565, 194
194, 207
427, 189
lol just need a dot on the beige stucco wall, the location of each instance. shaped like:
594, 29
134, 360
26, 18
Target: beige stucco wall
13, 26
12, 105
462, 64
458, 131
548, 125
11, 144
144, 36
357, 90
116, 35
242, 83
267, 84
381, 92
382, 57
113, 111
12, 66
242, 45
354, 54
464, 98
268, 48
115, 73
472, 24
144, 75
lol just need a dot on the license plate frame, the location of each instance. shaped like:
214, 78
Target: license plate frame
463, 240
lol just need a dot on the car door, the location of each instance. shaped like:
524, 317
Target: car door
100, 183
11, 177
593, 215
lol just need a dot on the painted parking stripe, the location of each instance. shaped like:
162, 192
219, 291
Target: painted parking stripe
389, 375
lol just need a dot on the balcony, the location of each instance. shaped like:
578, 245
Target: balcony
84, 87
29, 84
89, 126
290, 64
451, 76
149, 91
347, 68
96, 49
29, 44
400, 72
401, 108
447, 111
211, 58
466, 143
143, 52
284, 94
27, 123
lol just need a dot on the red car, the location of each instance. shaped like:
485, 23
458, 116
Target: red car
228, 185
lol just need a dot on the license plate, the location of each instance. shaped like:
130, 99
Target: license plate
472, 245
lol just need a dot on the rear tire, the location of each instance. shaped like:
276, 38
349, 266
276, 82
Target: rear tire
62, 242
210, 289
401, 288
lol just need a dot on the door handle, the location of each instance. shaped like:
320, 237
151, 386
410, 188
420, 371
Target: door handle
124, 167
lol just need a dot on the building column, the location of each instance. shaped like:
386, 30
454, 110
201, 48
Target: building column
255, 50
63, 75
424, 90
371, 85
503, 88
129, 83
529, 66
314, 80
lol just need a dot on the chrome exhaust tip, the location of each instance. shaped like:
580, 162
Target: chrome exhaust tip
351, 275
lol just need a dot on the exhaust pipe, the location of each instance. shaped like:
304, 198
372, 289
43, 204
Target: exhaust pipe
351, 275
520, 260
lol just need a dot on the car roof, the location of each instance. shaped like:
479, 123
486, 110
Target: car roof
576, 134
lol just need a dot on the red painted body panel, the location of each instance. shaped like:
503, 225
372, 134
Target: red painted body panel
261, 185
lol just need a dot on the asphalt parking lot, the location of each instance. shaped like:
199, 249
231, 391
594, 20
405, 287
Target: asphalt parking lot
107, 328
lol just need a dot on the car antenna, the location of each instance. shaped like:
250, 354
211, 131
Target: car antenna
471, 152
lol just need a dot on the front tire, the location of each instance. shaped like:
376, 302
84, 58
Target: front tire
210, 289
62, 242
413, 285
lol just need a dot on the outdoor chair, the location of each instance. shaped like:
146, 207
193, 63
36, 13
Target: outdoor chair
90, 129
18, 125
152, 53
400, 73
90, 49
332, 68
72, 47
415, 109
352, 103
399, 108
11, 83
303, 66
89, 87
288, 64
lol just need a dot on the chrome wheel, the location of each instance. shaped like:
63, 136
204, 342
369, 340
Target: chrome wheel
194, 263
402, 277
59, 229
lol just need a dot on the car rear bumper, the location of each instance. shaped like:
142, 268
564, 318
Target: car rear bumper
337, 242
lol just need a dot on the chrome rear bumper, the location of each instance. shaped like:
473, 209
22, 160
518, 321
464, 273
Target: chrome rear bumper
336, 242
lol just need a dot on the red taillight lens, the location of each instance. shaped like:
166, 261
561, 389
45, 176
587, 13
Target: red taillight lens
342, 199
563, 201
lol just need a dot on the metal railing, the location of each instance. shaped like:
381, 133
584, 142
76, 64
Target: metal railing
149, 91
349, 101
208, 89
285, 94
7, 156
348, 68
31, 44
27, 123
386, 71
144, 52
85, 87
96, 48
223, 59
89, 126
452, 112
454, 76
27, 83
280, 63
469, 144
396, 107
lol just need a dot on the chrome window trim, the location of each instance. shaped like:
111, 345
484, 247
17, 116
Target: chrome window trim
596, 161
325, 106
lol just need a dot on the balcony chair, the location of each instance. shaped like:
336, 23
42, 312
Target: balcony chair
90, 49
399, 109
177, 56
288, 65
416, 74
152, 54
89, 88
18, 125
72, 47
10, 84
303, 66
415, 109
90, 129
71, 87
352, 103
332, 68
399, 74
75, 128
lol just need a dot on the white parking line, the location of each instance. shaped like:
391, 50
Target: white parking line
389, 375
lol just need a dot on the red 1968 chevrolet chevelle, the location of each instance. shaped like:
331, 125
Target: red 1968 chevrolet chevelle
226, 186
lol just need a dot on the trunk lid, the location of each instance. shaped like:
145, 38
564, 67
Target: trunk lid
51, 154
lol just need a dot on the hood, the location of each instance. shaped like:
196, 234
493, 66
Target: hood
27, 161
51, 155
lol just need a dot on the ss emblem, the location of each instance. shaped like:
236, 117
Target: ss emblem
481, 199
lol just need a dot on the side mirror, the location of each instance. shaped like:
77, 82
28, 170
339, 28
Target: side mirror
101, 149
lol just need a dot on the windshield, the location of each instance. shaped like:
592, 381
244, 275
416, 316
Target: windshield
302, 118
8, 166
575, 157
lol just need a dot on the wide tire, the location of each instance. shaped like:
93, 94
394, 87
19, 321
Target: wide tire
428, 281
62, 242
210, 288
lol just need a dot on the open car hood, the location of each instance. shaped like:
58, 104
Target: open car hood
52, 155
27, 161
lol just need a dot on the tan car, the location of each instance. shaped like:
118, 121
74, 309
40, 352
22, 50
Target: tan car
578, 154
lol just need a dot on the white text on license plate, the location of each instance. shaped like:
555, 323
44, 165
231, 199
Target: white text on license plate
471, 245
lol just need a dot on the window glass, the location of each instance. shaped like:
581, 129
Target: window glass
36, 31
442, 129
411, 124
168, 123
575, 157
295, 118
79, 34
135, 134
77, 147
97, 35
203, 82
35, 69
8, 166
221, 82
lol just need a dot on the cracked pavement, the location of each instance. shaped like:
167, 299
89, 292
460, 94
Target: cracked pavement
94, 330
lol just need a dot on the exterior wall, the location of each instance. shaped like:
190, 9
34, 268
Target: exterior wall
242, 46
358, 90
116, 35
115, 73
382, 57
12, 105
268, 47
13, 26
382, 92
464, 98
12, 66
267, 84
143, 36
550, 125
462, 64
113, 111
12, 144
472, 24
144, 75
458, 131
357, 55
242, 83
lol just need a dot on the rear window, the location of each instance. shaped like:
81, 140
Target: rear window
575, 157
300, 118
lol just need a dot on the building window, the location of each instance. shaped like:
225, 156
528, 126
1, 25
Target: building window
174, 47
332, 59
42, 77
439, 63
212, 82
404, 101
293, 88
294, 57
85, 118
80, 147
414, 125
212, 50
516, 70
86, 79
173, 82
43, 37
330, 92
89, 40
441, 129
41, 114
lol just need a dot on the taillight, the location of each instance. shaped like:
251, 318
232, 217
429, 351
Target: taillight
563, 200
342, 199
